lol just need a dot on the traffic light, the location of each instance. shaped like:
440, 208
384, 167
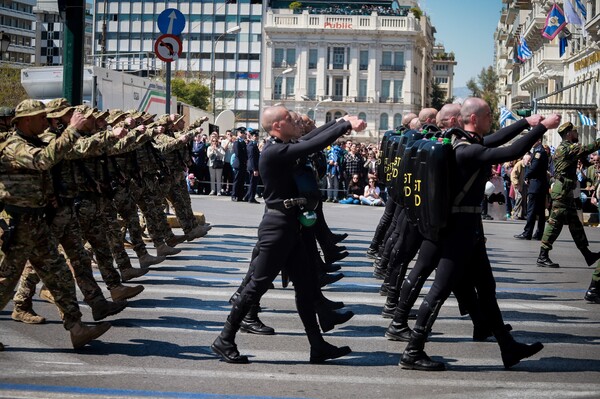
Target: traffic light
523, 113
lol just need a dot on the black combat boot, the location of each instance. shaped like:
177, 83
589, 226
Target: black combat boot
544, 261
224, 345
320, 351
593, 293
590, 257
378, 270
415, 358
391, 302
253, 325
512, 351
328, 303
328, 318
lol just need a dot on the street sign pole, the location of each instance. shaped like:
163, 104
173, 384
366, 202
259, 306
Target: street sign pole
168, 88
168, 46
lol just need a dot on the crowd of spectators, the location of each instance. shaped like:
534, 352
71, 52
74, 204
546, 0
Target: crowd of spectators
513, 177
363, 10
351, 170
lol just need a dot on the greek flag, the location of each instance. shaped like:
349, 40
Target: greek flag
523, 51
505, 114
586, 121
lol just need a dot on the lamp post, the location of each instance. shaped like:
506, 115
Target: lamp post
230, 31
4, 43
327, 100
284, 72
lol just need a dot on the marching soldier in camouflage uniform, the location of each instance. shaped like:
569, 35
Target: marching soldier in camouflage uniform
25, 162
64, 224
172, 146
94, 186
146, 191
563, 211
125, 166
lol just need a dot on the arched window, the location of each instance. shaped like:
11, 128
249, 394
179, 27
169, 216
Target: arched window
311, 114
338, 115
363, 116
384, 123
397, 120
328, 117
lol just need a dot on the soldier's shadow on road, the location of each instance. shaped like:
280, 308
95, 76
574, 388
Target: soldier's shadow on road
179, 303
364, 359
189, 281
543, 365
148, 347
196, 268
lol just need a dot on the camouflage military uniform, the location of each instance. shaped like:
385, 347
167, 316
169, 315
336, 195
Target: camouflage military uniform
563, 209
64, 225
25, 164
175, 186
147, 192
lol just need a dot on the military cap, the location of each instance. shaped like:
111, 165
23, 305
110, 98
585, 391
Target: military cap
113, 115
58, 107
134, 113
101, 114
7, 112
29, 108
178, 119
565, 128
85, 110
148, 117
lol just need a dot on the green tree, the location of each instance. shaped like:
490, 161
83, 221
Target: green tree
11, 90
438, 96
486, 87
192, 93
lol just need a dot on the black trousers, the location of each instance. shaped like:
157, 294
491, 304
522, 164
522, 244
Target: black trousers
239, 179
384, 224
536, 208
462, 256
279, 245
251, 192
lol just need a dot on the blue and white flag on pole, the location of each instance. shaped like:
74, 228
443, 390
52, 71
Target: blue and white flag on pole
523, 51
571, 14
586, 121
505, 114
555, 22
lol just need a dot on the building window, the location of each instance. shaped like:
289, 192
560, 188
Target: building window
312, 87
383, 122
289, 86
397, 120
385, 89
362, 115
278, 57
291, 57
338, 57
313, 58
398, 58
338, 89
386, 58
397, 89
441, 80
363, 60
362, 90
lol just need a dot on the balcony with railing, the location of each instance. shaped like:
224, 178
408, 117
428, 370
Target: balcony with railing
285, 19
393, 68
394, 100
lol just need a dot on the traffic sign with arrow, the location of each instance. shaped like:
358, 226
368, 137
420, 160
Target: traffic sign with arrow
168, 47
171, 22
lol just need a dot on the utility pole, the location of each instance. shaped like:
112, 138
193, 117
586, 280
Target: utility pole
73, 15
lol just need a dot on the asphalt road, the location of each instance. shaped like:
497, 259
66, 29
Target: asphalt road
160, 345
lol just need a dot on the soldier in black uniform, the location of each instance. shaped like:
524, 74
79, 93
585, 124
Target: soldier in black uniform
239, 165
462, 246
279, 240
537, 176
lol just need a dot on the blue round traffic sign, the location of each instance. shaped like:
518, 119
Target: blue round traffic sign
171, 22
